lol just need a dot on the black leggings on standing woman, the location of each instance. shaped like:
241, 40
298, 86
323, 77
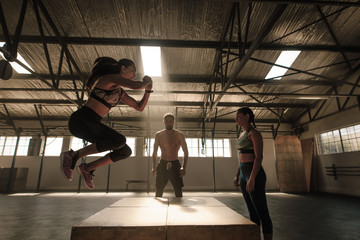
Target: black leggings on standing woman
86, 124
256, 200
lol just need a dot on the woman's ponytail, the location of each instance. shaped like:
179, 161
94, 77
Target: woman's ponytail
101, 67
106, 65
253, 121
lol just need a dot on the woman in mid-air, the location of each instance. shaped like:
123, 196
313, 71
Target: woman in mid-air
105, 84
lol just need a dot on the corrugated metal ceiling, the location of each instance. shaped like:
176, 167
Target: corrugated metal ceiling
190, 34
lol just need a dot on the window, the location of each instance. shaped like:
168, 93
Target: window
346, 139
285, 59
15, 65
218, 148
53, 146
131, 141
351, 138
151, 58
227, 148
77, 143
193, 147
222, 148
8, 145
149, 149
23, 147
330, 142
2, 145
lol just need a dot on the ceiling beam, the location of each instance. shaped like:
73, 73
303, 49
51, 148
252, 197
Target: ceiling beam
348, 75
258, 39
218, 56
205, 80
303, 2
138, 119
160, 103
139, 92
332, 33
34, 74
180, 43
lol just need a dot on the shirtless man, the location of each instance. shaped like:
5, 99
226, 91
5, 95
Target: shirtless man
169, 167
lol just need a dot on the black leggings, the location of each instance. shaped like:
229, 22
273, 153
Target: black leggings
86, 124
256, 200
164, 172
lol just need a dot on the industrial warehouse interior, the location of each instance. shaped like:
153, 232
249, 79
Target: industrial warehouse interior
295, 64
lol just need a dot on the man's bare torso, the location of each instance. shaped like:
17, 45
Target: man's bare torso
169, 143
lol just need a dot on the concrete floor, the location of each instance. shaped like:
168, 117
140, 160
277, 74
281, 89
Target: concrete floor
295, 216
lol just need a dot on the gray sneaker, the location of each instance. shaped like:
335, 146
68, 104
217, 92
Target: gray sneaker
87, 176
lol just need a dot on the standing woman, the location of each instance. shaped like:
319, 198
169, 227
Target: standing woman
250, 172
105, 84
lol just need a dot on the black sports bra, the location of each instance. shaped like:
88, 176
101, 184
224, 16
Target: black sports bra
110, 98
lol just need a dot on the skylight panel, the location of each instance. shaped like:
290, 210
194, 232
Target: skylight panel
15, 65
151, 57
285, 59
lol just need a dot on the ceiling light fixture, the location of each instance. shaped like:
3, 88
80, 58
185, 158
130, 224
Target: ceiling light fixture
15, 65
151, 57
285, 59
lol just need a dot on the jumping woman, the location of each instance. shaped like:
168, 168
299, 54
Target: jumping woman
105, 84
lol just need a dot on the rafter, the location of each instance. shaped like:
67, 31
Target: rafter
115, 119
348, 75
161, 103
180, 43
333, 35
304, 2
205, 80
35, 74
139, 92
259, 37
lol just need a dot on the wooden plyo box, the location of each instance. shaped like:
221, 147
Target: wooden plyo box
161, 218
128, 218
